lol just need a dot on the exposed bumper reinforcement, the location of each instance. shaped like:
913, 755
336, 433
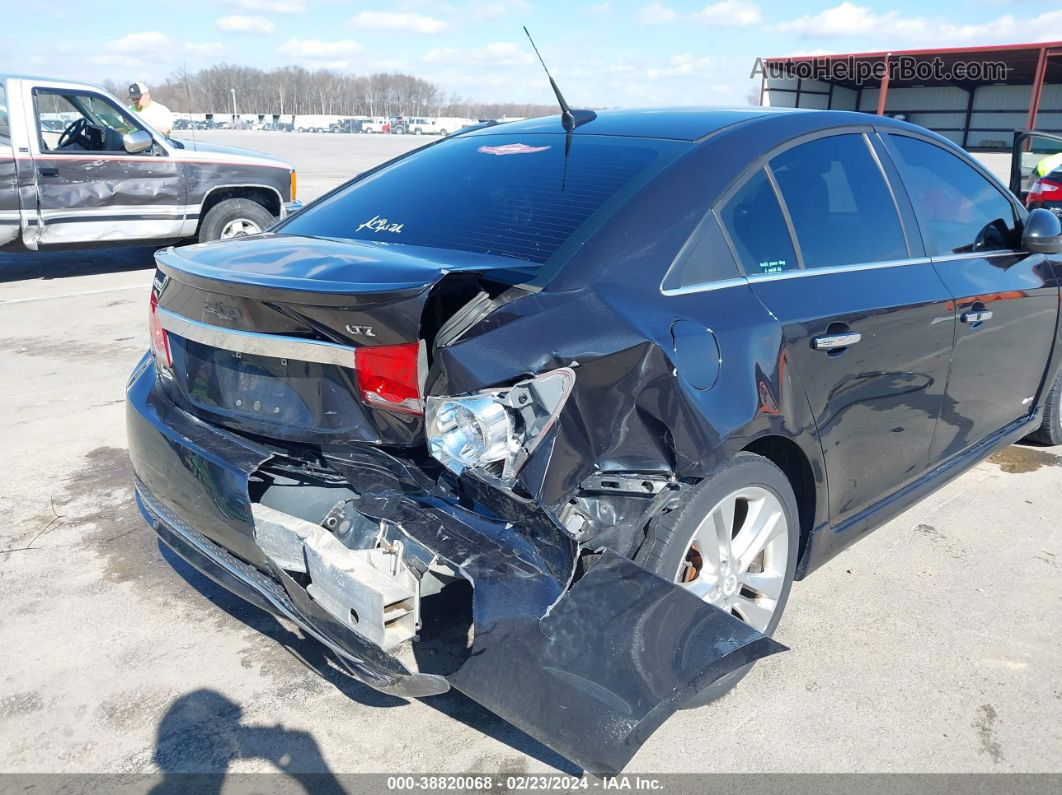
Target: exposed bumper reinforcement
366, 662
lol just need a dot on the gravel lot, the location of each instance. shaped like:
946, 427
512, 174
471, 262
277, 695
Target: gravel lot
931, 646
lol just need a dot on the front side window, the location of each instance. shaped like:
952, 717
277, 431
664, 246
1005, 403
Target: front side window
841, 208
71, 122
507, 195
960, 210
5, 124
753, 219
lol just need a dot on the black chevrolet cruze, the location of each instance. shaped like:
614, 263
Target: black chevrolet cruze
571, 409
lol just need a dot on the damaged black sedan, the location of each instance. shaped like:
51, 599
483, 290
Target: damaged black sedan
583, 403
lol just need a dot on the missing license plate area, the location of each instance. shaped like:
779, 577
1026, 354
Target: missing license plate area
288, 393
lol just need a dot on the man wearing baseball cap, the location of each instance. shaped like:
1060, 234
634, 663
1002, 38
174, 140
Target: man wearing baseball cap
154, 113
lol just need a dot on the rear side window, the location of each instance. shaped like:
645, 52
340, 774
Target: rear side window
708, 261
960, 210
753, 219
521, 197
841, 208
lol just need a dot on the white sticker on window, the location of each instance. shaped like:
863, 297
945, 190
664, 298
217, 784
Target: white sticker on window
378, 224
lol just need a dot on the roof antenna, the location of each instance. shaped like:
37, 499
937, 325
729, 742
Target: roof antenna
569, 119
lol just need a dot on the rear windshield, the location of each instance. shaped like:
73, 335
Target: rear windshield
514, 196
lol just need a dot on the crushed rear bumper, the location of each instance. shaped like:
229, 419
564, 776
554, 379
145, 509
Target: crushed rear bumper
589, 669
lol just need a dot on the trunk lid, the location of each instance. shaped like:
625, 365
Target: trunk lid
263, 332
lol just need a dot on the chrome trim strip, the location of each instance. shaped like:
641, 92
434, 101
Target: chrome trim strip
822, 271
257, 344
1008, 252
704, 286
795, 274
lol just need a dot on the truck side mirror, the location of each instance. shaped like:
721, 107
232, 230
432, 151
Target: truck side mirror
137, 141
1042, 233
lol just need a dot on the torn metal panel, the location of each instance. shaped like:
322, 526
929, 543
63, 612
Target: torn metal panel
591, 671
613, 659
624, 360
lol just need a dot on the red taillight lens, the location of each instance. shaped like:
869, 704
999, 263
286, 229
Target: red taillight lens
389, 377
160, 345
1044, 190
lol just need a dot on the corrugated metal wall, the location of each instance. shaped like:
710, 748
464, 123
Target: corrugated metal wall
997, 110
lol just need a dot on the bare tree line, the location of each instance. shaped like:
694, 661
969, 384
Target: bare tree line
291, 90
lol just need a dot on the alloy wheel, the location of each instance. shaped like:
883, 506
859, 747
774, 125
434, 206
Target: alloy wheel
239, 227
737, 556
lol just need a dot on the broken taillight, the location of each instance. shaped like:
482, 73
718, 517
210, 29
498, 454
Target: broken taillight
160, 345
389, 376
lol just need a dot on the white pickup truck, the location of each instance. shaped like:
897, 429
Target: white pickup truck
78, 167
439, 125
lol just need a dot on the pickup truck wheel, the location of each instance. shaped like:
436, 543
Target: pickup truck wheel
734, 544
234, 218
1050, 430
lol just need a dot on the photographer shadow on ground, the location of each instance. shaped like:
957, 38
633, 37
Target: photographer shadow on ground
201, 734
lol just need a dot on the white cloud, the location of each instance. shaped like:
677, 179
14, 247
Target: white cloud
682, 65
272, 6
894, 29
897, 30
496, 10
391, 20
846, 19
656, 14
731, 13
134, 43
329, 54
238, 23
138, 51
499, 53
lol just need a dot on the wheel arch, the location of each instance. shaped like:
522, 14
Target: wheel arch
265, 195
795, 464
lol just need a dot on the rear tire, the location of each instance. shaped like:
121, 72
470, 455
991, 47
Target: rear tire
673, 550
234, 218
1050, 430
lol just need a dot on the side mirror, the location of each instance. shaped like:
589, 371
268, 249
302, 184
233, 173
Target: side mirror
1042, 233
137, 141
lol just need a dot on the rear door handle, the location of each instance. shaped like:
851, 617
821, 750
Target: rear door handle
976, 317
832, 342
48, 171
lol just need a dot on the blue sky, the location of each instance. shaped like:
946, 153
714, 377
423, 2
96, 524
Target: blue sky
602, 52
